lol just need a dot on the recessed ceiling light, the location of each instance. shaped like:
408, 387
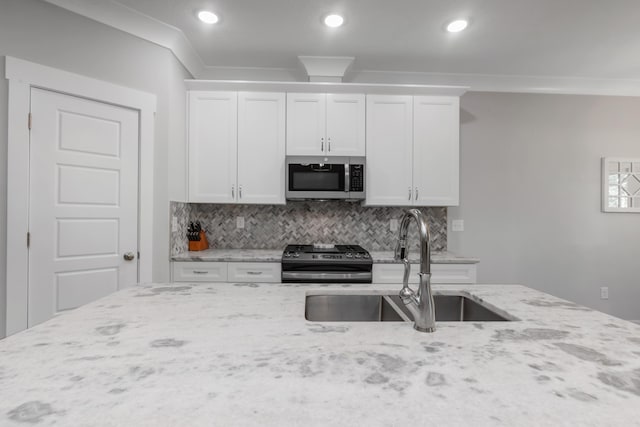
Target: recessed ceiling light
207, 17
333, 20
457, 25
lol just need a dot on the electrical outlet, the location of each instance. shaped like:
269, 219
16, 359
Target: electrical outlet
457, 225
240, 222
604, 292
174, 224
393, 225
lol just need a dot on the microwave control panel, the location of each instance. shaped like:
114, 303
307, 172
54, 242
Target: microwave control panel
356, 178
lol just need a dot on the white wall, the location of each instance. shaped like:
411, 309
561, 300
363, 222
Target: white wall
3, 195
40, 32
530, 195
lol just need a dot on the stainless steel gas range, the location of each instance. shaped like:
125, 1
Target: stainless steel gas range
322, 263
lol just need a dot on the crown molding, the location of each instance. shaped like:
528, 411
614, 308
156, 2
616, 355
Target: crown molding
507, 83
131, 21
473, 82
324, 87
118, 16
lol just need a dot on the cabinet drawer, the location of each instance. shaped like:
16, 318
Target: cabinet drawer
199, 271
453, 273
392, 273
265, 272
440, 273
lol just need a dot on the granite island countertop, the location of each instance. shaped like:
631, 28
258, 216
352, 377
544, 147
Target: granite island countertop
275, 255
243, 354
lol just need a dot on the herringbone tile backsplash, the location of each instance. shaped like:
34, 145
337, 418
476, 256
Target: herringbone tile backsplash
273, 227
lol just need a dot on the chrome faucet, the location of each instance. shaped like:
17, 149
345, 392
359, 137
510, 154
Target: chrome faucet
420, 304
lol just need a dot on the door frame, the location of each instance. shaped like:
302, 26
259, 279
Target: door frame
23, 76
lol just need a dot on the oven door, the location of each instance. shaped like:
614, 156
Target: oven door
311, 178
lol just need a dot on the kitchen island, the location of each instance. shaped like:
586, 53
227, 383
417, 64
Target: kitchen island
228, 354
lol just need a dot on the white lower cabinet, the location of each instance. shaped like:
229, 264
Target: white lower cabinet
264, 272
440, 273
186, 271
270, 272
205, 271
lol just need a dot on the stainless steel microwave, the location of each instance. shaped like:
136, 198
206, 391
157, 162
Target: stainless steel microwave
319, 177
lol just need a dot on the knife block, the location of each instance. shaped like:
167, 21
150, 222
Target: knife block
199, 245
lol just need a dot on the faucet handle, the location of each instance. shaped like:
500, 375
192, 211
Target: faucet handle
406, 293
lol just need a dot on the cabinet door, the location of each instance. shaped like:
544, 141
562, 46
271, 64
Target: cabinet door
436, 127
306, 118
389, 150
212, 146
261, 147
345, 125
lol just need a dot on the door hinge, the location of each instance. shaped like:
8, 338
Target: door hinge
29, 121
28, 239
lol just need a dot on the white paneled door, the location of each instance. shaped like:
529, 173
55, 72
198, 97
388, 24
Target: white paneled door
83, 214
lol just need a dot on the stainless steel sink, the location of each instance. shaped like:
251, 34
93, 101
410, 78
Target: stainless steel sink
389, 308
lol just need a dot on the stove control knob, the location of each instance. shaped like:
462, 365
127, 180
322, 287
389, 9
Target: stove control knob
296, 255
365, 255
358, 255
349, 255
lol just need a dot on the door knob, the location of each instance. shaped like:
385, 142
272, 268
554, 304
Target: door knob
129, 256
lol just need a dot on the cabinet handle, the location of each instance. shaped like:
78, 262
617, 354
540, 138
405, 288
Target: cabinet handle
409, 193
329, 144
416, 193
240, 191
322, 144
233, 191
200, 272
254, 273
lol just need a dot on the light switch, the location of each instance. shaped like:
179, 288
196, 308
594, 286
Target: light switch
457, 225
393, 225
604, 292
174, 224
240, 222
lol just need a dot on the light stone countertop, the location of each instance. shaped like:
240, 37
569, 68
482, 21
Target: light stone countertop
437, 257
243, 354
231, 255
275, 255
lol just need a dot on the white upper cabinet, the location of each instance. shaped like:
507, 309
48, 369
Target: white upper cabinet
261, 147
345, 125
412, 150
436, 165
306, 120
389, 178
236, 147
213, 126
325, 124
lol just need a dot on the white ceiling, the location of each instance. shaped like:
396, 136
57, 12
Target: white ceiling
543, 42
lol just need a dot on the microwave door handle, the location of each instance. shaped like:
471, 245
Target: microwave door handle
347, 177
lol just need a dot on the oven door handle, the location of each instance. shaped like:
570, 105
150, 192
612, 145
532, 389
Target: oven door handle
319, 276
